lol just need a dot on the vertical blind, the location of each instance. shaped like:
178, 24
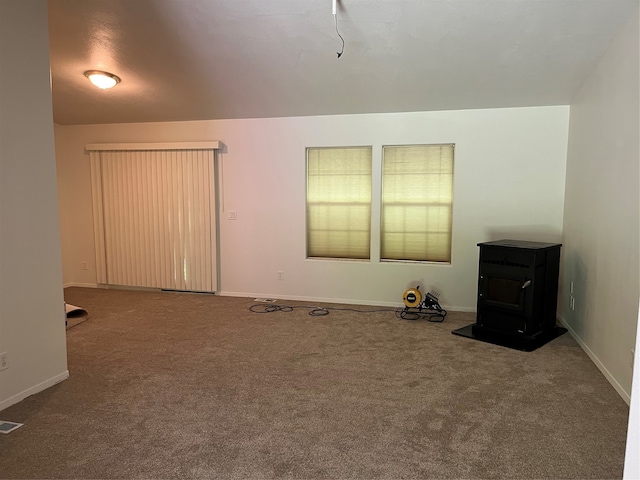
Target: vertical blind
339, 202
154, 218
417, 196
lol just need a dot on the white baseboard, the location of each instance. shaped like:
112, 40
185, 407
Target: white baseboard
348, 301
33, 390
449, 308
594, 358
76, 284
296, 298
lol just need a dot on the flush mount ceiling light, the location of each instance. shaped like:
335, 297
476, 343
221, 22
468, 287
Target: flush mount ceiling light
102, 79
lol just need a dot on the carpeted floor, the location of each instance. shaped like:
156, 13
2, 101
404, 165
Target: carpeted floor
168, 385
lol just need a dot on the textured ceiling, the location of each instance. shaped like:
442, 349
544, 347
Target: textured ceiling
220, 59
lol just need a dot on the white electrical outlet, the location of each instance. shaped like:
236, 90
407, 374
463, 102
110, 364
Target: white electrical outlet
280, 275
3, 361
84, 265
233, 215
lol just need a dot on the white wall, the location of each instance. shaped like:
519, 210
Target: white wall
509, 182
32, 330
601, 218
632, 460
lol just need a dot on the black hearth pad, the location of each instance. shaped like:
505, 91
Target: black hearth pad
526, 345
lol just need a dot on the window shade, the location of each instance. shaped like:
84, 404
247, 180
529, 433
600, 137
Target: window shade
339, 202
417, 195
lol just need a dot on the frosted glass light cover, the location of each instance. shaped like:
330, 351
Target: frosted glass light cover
102, 80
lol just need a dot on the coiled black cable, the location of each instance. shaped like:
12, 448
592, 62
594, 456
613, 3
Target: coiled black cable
435, 315
316, 311
270, 308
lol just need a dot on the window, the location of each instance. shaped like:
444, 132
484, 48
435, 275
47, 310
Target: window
339, 202
417, 191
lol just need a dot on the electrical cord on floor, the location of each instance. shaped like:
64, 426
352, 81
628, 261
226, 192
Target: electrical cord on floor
315, 311
270, 308
431, 315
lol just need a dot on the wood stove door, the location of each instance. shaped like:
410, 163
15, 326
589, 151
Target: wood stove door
506, 289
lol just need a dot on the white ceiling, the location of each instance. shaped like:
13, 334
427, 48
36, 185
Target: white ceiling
221, 59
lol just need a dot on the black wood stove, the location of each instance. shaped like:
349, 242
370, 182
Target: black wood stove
517, 294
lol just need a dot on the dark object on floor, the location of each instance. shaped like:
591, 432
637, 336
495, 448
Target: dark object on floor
418, 306
526, 344
75, 315
517, 290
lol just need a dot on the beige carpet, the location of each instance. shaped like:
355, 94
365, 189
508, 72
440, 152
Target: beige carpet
167, 385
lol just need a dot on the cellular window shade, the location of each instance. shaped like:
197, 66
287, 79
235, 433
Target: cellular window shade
417, 195
339, 202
